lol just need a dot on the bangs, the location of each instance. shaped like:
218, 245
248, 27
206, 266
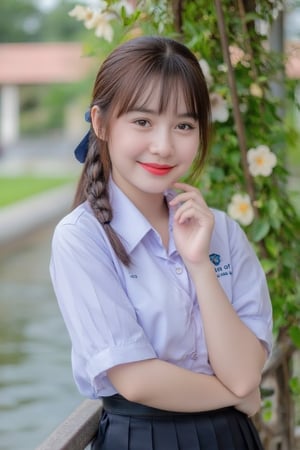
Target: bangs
138, 88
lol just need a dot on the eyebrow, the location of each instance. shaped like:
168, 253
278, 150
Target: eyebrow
152, 111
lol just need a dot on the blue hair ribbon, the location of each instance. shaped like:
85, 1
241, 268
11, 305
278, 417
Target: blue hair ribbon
81, 150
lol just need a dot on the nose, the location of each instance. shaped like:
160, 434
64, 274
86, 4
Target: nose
162, 143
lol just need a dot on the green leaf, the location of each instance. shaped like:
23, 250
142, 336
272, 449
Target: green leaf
294, 333
260, 229
272, 206
294, 384
272, 246
251, 17
217, 174
268, 265
267, 410
288, 259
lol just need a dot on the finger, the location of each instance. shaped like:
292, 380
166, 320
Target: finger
187, 196
193, 209
185, 216
185, 187
187, 203
193, 214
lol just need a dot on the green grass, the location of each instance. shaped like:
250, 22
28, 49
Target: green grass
17, 188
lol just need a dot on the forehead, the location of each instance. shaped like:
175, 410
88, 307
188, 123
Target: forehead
160, 94
156, 97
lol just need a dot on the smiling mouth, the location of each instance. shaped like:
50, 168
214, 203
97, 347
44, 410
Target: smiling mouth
156, 169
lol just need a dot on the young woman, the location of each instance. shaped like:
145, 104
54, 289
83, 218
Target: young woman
165, 302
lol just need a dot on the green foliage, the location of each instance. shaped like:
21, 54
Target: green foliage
295, 385
19, 20
25, 21
275, 232
267, 410
57, 26
43, 108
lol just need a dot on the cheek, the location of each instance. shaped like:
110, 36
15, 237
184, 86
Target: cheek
191, 151
123, 148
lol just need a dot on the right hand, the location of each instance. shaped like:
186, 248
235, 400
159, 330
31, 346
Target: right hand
251, 404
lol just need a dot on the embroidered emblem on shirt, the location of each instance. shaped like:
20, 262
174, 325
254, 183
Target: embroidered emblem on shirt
133, 275
215, 258
221, 270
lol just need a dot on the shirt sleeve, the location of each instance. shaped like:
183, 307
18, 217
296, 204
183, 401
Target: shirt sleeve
100, 319
250, 298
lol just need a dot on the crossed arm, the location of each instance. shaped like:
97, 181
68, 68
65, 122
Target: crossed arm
236, 355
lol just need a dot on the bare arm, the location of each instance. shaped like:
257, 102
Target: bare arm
236, 355
166, 386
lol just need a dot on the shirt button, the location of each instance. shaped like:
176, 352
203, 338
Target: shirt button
178, 270
194, 355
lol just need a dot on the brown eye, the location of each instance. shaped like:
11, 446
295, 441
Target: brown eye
142, 122
185, 126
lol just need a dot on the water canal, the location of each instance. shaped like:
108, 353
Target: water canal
36, 386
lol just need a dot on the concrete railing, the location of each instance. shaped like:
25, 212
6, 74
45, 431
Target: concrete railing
78, 430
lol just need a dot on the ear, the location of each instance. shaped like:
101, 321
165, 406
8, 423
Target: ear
97, 122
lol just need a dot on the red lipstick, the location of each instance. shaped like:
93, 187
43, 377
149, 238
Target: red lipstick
156, 169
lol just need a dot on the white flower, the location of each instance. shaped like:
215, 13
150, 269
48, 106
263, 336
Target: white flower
206, 71
240, 209
103, 28
88, 15
243, 108
237, 55
222, 68
219, 108
261, 161
92, 20
262, 27
80, 12
256, 90
99, 20
276, 10
127, 6
101, 5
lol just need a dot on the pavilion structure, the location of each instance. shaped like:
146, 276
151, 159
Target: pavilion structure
34, 64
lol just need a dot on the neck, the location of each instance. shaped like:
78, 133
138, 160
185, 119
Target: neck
152, 206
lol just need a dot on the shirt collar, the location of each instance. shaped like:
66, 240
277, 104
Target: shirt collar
127, 220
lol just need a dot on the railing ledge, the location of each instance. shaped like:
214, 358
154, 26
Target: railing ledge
77, 430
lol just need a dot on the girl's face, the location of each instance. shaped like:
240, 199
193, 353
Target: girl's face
150, 151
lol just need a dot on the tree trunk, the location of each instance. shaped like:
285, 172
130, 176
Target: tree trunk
279, 433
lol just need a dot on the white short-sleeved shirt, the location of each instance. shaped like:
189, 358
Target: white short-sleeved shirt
115, 314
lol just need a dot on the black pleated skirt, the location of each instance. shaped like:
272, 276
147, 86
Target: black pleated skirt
143, 428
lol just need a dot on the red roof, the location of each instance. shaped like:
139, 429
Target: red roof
40, 63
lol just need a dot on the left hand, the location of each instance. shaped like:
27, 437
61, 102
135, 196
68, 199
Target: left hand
251, 404
193, 224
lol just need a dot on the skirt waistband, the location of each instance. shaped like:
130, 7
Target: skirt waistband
116, 404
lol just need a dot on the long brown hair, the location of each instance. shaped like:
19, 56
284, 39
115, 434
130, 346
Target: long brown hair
118, 87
